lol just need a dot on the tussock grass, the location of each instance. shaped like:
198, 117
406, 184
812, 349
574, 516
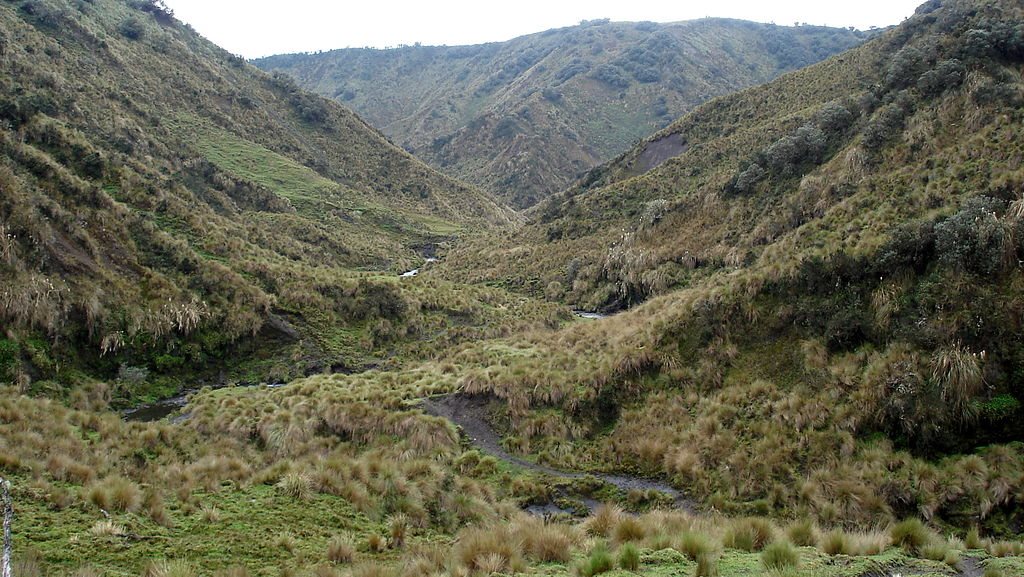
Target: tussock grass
749, 534
599, 561
911, 535
171, 568
780, 555
629, 557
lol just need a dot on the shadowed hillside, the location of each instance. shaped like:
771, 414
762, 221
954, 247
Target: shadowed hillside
523, 118
164, 201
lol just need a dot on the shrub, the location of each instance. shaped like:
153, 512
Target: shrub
629, 557
973, 238
910, 534
947, 74
133, 28
780, 555
749, 178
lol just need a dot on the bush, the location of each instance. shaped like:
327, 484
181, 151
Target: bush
780, 555
629, 557
749, 178
973, 239
133, 28
612, 75
947, 74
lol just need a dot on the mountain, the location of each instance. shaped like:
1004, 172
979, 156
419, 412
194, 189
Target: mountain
524, 118
164, 201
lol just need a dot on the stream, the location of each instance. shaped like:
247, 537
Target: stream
469, 413
158, 410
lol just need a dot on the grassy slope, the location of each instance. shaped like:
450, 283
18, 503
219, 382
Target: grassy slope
163, 199
523, 118
863, 303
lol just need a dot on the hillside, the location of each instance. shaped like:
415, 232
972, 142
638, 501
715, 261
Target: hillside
829, 266
164, 202
524, 118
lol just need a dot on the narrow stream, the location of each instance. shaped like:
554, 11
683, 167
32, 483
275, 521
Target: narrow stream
469, 413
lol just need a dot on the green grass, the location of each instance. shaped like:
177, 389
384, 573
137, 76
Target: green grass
250, 521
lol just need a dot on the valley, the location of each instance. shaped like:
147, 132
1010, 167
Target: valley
774, 331
524, 118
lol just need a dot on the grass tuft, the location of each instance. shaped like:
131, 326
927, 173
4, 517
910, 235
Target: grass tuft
780, 555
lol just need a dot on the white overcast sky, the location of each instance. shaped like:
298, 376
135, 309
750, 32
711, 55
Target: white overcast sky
256, 28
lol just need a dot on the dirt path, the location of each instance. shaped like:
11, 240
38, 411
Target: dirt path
470, 413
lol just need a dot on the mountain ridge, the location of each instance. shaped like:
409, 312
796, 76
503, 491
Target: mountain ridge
523, 117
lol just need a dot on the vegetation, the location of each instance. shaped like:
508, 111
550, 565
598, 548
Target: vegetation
823, 354
524, 118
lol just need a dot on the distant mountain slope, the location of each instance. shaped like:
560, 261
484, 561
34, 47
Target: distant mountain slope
524, 118
823, 149
164, 198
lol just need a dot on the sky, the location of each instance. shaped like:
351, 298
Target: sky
254, 28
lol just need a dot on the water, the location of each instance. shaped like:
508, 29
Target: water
589, 315
416, 271
159, 410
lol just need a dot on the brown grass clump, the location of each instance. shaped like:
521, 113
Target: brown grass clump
1006, 549
108, 528
603, 520
544, 542
802, 533
628, 530
376, 543
296, 485
489, 550
340, 550
749, 534
836, 542
170, 568
114, 494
